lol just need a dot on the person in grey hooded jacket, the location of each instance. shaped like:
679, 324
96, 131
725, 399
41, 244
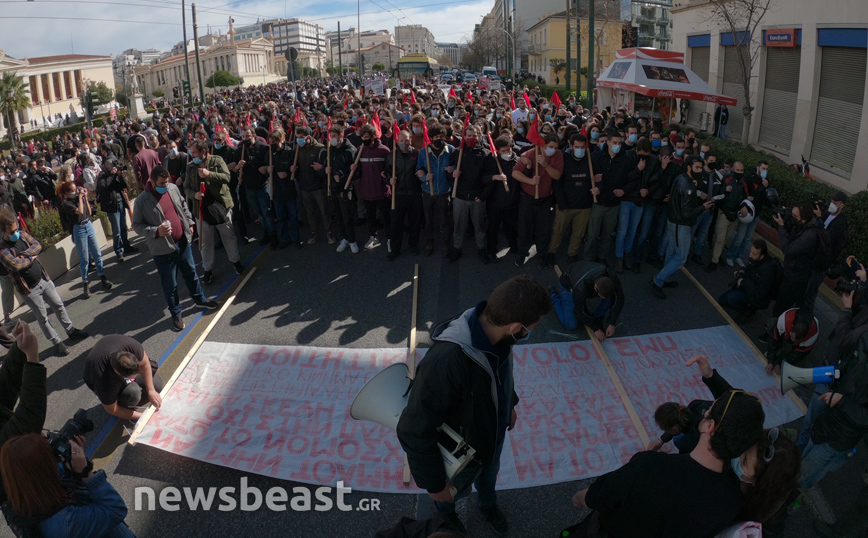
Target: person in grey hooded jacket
466, 381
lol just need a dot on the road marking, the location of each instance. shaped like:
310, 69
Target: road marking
799, 403
637, 423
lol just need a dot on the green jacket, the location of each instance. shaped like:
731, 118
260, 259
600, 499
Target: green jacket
217, 184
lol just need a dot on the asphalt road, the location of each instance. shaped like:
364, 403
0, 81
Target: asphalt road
317, 297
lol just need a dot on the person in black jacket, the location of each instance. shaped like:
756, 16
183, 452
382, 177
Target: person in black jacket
590, 293
573, 197
728, 209
640, 181
407, 191
835, 223
684, 208
252, 167
755, 185
469, 203
285, 190
240, 207
754, 285
502, 194
466, 381
23, 396
611, 168
799, 237
110, 187
42, 184
343, 154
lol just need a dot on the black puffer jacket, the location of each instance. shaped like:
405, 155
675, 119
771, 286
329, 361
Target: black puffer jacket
799, 244
684, 206
407, 183
844, 425
109, 192
760, 278
342, 157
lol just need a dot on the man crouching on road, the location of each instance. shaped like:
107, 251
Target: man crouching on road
465, 380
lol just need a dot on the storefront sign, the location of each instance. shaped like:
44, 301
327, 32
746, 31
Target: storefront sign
781, 38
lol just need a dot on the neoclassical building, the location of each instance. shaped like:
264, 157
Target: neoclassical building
251, 59
55, 83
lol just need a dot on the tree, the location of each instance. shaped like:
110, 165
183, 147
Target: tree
13, 99
378, 66
444, 59
120, 95
743, 20
221, 79
103, 92
158, 92
558, 65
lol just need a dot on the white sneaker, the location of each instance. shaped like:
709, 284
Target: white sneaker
739, 262
354, 247
729, 262
343, 245
373, 241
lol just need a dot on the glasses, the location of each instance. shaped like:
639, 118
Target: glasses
732, 394
770, 451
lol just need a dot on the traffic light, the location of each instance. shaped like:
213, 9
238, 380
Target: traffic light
175, 92
91, 102
186, 84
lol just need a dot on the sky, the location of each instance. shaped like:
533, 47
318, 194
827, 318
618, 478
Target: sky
51, 27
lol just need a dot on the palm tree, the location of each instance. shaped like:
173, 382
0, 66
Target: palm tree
13, 98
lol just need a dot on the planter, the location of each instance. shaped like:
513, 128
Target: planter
62, 256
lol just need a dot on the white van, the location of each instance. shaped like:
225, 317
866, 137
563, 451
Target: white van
489, 71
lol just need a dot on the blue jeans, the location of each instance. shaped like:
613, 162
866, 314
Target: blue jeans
700, 231
261, 203
721, 131
484, 479
736, 299
287, 220
817, 460
565, 308
84, 237
652, 229
629, 216
815, 409
168, 266
120, 240
676, 252
741, 243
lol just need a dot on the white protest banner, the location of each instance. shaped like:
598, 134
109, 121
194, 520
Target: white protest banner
484, 83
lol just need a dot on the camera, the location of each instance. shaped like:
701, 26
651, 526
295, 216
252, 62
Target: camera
122, 168
79, 424
816, 199
846, 286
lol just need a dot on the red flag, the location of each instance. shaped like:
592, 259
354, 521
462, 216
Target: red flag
328, 130
452, 92
526, 99
412, 97
470, 98
512, 103
346, 96
425, 138
375, 121
219, 129
533, 133
556, 101
405, 98
491, 145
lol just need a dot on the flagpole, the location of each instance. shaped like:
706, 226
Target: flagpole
394, 172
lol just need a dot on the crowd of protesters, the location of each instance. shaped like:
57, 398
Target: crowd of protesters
419, 171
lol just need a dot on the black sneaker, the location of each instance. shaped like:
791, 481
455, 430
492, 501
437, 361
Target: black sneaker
496, 520
454, 524
414, 250
238, 268
77, 334
697, 259
178, 324
210, 305
763, 338
711, 267
86, 290
657, 291
105, 283
60, 349
207, 277
129, 249
120, 257
519, 262
545, 261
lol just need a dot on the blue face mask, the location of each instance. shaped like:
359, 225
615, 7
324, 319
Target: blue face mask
520, 130
739, 472
655, 143
633, 138
702, 155
406, 117
16, 236
531, 116
162, 190
523, 338
614, 148
548, 117
764, 173
321, 124
579, 153
679, 152
301, 142
173, 152
594, 135
560, 136
218, 146
197, 160
355, 119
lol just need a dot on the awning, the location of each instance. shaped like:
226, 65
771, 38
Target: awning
658, 73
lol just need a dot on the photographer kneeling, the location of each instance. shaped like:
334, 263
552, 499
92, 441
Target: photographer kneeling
754, 286
78, 503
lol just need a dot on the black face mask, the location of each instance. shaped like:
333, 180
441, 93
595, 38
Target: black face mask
275, 147
738, 175
368, 142
248, 143
713, 166
449, 132
438, 144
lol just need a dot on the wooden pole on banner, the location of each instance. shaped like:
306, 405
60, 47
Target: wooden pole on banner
352, 172
411, 357
591, 168
628, 405
395, 174
149, 412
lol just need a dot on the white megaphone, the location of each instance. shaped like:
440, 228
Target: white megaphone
793, 376
383, 399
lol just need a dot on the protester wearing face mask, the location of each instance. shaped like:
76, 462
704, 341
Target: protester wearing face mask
632, 136
110, 188
611, 168
641, 182
240, 209
162, 218
727, 214
285, 198
800, 237
834, 221
75, 213
337, 170
310, 176
468, 205
176, 163
755, 186
408, 196
573, 197
371, 186
252, 167
589, 294
710, 186
471, 360
502, 195
417, 131
436, 189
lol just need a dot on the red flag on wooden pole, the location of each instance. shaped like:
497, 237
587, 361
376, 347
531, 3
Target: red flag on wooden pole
556, 101
427, 141
512, 103
526, 99
412, 97
375, 121
452, 92
533, 133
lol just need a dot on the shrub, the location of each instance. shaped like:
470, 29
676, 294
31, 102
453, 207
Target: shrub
46, 228
793, 187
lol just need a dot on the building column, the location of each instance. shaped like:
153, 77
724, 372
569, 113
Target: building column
74, 85
51, 95
38, 88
